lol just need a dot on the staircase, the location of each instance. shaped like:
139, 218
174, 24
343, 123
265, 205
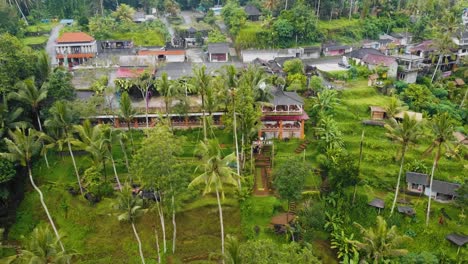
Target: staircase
302, 146
263, 162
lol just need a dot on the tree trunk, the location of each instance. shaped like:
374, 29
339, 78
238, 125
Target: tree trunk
174, 224
437, 67
22, 14
140, 249
40, 129
399, 178
161, 218
74, 166
237, 146
115, 172
157, 244
122, 145
286, 5
220, 222
41, 198
204, 119
350, 8
434, 166
318, 10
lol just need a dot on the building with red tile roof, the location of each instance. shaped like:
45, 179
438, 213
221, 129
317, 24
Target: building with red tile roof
73, 48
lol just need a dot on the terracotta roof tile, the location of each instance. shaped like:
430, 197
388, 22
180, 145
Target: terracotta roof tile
74, 37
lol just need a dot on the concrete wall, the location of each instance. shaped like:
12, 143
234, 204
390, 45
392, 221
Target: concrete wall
251, 55
175, 58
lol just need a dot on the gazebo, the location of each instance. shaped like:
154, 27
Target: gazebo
407, 210
457, 239
377, 112
377, 203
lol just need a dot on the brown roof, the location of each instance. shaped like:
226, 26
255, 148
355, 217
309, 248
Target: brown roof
377, 109
461, 138
282, 219
423, 46
459, 82
161, 52
74, 37
374, 59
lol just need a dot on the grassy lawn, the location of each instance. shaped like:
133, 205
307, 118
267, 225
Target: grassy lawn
39, 40
41, 27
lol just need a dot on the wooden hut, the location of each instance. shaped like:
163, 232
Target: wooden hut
377, 112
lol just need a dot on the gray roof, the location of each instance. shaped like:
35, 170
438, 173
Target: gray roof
192, 30
252, 10
406, 210
443, 187
176, 70
417, 178
360, 53
378, 203
281, 97
312, 49
334, 46
217, 48
457, 239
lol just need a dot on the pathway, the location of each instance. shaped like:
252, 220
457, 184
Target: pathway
54, 33
262, 172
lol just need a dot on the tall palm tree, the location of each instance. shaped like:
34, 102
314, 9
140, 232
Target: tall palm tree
405, 134
41, 248
144, 83
381, 242
62, 119
444, 45
127, 113
168, 89
442, 129
30, 95
43, 67
10, 119
22, 147
131, 208
201, 83
216, 173
109, 137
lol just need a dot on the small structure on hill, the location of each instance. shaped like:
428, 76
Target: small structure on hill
442, 191
377, 112
335, 49
218, 52
457, 239
279, 222
459, 82
407, 210
461, 138
377, 203
372, 80
415, 115
253, 13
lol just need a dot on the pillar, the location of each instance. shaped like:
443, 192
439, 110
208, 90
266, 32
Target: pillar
135, 123
280, 136
302, 129
259, 134
117, 122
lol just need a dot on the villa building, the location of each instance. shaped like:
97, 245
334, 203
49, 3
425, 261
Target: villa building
74, 48
284, 117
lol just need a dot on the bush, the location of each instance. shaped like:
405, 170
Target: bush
419, 258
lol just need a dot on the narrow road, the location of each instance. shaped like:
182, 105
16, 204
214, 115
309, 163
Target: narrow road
169, 28
187, 15
54, 33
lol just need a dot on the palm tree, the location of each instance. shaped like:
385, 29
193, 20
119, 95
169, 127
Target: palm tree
127, 113
131, 208
201, 83
443, 45
144, 83
41, 248
10, 119
124, 13
30, 95
22, 147
42, 67
232, 250
405, 133
442, 130
381, 242
62, 119
394, 107
168, 89
110, 137
216, 172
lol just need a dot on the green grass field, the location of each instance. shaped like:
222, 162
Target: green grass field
39, 40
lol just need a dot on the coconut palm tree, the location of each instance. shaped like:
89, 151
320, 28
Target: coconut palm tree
405, 134
144, 83
108, 137
22, 147
131, 208
381, 242
444, 46
442, 130
216, 173
127, 113
30, 95
62, 119
43, 67
41, 248
394, 107
201, 83
168, 89
10, 119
